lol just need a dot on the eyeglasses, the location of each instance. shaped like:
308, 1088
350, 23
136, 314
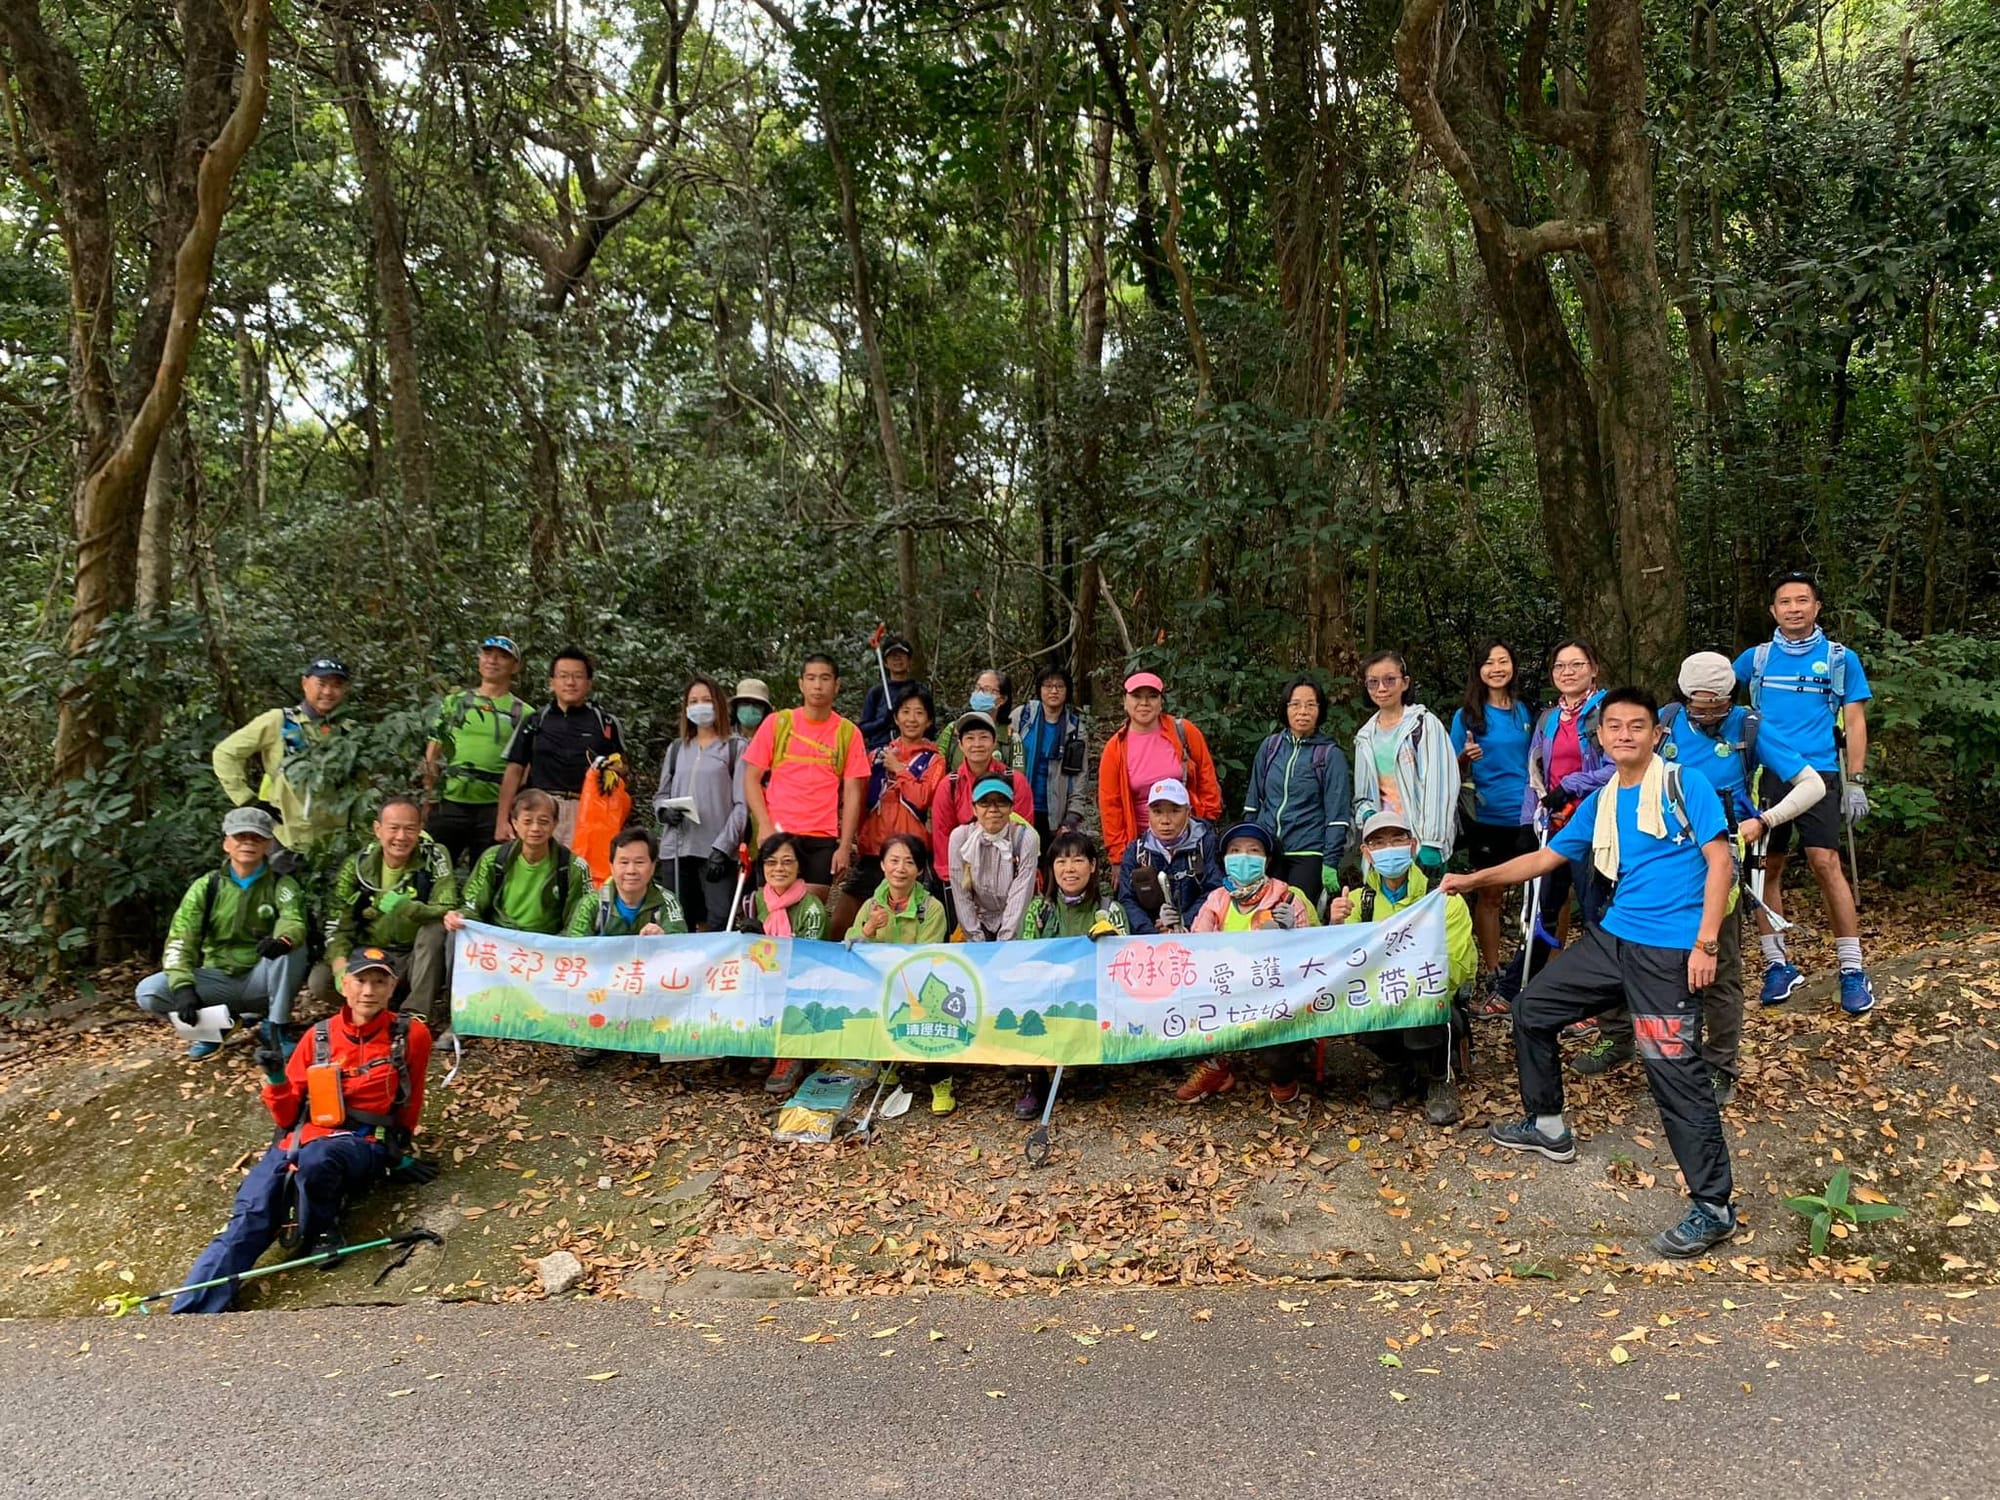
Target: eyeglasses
1571, 666
1376, 682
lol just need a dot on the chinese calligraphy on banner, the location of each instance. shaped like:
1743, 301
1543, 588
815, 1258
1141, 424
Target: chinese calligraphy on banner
1067, 1000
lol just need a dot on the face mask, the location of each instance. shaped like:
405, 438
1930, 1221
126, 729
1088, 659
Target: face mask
749, 715
1242, 870
983, 702
1391, 864
701, 715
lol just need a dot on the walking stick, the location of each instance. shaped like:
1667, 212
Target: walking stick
409, 1239
1037, 1148
881, 662
1531, 905
1853, 859
742, 874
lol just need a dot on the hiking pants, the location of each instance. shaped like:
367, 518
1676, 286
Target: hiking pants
1721, 1005
1596, 973
464, 828
331, 1170
266, 990
1300, 870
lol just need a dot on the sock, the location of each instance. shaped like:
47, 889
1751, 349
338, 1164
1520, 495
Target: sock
1773, 948
1719, 1211
1550, 1126
1848, 951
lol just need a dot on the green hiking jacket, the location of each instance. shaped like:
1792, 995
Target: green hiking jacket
657, 905
808, 916
472, 732
221, 930
354, 919
527, 903
922, 921
271, 738
1046, 918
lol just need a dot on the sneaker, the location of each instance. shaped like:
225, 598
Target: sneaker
1491, 1005
1029, 1105
943, 1100
1210, 1076
1779, 982
1857, 995
786, 1074
1441, 1102
1526, 1137
198, 1050
1699, 1232
1387, 1090
1724, 1086
1284, 1093
1577, 1030
1607, 1054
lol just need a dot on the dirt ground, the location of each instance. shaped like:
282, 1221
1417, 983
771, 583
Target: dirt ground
118, 1159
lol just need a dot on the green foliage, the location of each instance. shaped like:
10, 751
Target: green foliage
1822, 1210
1031, 1024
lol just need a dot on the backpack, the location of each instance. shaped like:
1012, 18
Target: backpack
459, 718
1176, 728
732, 744
1595, 893
1321, 753
1834, 689
208, 893
781, 738
564, 859
399, 1048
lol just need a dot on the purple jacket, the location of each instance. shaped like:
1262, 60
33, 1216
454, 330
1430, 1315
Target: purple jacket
1597, 766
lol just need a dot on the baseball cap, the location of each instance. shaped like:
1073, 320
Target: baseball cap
993, 786
501, 643
361, 960
327, 666
248, 820
1140, 680
967, 722
1382, 821
896, 643
1708, 672
1171, 790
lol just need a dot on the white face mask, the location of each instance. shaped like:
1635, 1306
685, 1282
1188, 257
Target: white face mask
701, 715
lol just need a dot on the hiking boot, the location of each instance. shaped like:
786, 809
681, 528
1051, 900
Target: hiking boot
943, 1100
1029, 1105
1701, 1231
591, 1057
1779, 982
1284, 1093
1441, 1102
1607, 1054
1387, 1090
1524, 1136
1724, 1086
1857, 995
786, 1074
198, 1050
1211, 1075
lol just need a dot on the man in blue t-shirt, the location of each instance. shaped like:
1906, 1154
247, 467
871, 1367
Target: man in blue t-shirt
1725, 744
1810, 692
1653, 950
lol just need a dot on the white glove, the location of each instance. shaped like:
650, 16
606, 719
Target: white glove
1284, 915
1854, 802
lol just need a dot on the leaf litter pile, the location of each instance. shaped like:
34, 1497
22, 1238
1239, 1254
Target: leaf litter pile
118, 1159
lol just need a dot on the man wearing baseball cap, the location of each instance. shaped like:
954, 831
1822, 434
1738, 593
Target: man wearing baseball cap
466, 758
238, 938
347, 1102
303, 817
1152, 746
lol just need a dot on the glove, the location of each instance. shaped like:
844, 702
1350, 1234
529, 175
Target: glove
1854, 802
1431, 862
272, 1061
414, 1169
1103, 927
1284, 915
1329, 877
273, 947
718, 864
1555, 799
390, 902
673, 817
187, 1005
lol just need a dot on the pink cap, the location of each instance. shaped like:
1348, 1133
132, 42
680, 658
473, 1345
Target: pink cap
1145, 680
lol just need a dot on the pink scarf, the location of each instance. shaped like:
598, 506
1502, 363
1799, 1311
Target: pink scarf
778, 909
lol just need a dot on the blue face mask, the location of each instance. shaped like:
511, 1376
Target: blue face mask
982, 702
1391, 864
1242, 871
701, 715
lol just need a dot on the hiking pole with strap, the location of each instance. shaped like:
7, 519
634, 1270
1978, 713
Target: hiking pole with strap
1531, 904
742, 874
1037, 1147
882, 662
1753, 881
409, 1239
1853, 858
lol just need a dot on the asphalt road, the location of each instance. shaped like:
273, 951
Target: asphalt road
1275, 1391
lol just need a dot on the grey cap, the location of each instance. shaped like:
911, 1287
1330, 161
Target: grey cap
248, 820
973, 719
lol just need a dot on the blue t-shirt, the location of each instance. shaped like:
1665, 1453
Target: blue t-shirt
1717, 756
1797, 700
1500, 775
1040, 747
1660, 881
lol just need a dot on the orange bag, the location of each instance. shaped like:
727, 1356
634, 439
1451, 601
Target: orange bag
603, 809
323, 1096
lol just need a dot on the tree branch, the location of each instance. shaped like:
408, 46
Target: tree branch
1572, 129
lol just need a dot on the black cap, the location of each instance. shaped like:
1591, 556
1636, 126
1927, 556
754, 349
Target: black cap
896, 643
361, 960
327, 666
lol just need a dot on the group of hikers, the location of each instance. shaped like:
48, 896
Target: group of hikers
1628, 826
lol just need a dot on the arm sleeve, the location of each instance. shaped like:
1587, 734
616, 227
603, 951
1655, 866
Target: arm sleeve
961, 889
1439, 774
1206, 793
672, 918
762, 743
521, 743
663, 787
1365, 787
1746, 664
1024, 795
809, 919
1027, 862
1858, 690
1458, 731
933, 928
441, 734
582, 896
1808, 787
1338, 796
1461, 948
444, 884
1208, 918
478, 894
231, 759
1113, 800
291, 923
857, 767
944, 820
875, 718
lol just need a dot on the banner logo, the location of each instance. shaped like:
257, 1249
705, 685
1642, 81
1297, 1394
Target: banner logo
931, 1004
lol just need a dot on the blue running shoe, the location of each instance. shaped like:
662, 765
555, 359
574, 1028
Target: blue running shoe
1526, 1137
198, 1050
1780, 980
1857, 995
1701, 1231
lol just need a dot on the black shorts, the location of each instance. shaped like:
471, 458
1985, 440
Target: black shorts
1490, 844
1818, 827
815, 858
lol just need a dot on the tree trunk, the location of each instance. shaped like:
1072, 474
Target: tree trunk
156, 534
1092, 308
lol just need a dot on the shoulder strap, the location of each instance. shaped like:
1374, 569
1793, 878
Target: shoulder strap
1836, 671
1367, 902
1266, 758
322, 1043
1759, 660
603, 911
1321, 755
501, 862
208, 894
843, 741
1677, 799
781, 736
1670, 715
563, 860
1752, 722
1175, 727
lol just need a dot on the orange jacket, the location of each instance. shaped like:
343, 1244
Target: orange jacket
1114, 790
905, 803
367, 1078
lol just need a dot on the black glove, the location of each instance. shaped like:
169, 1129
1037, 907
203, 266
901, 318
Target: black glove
1555, 799
673, 817
269, 809
187, 1005
414, 1169
719, 864
273, 947
272, 1061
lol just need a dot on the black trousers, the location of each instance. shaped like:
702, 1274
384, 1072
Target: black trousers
1302, 871
464, 828
1597, 973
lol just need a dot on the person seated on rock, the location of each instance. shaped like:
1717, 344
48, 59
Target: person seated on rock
394, 895
1075, 904
530, 883
1250, 899
784, 907
1413, 1057
333, 1144
238, 938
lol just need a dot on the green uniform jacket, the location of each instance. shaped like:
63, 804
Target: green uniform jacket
922, 921
236, 922
1461, 950
354, 919
808, 917
1046, 918
264, 738
472, 732
1007, 750
528, 902
657, 905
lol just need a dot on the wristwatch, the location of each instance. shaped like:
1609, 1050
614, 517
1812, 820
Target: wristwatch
1708, 945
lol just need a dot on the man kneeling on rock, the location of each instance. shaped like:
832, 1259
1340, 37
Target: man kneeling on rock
347, 1104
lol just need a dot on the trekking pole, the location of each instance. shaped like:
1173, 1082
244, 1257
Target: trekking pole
1531, 906
882, 662
742, 874
1037, 1147
1853, 858
409, 1238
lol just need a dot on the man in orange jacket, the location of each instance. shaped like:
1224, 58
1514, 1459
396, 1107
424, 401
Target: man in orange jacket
1152, 746
331, 1144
